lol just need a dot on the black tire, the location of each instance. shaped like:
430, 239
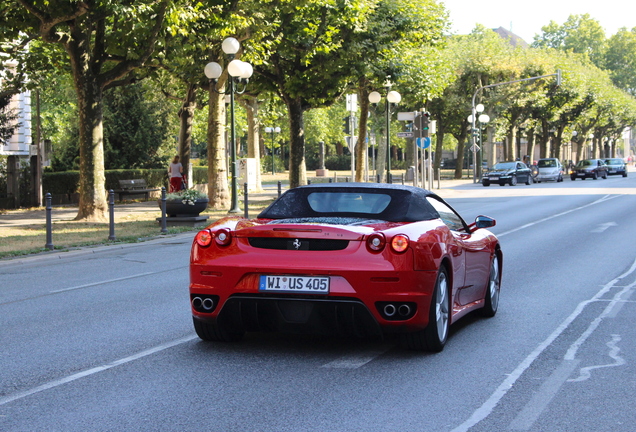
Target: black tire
486, 184
491, 300
433, 338
529, 180
513, 180
604, 175
624, 173
213, 332
572, 178
594, 176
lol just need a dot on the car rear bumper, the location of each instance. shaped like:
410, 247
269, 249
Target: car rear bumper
356, 300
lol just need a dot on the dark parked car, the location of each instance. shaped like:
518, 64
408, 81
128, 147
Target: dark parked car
592, 168
616, 166
508, 173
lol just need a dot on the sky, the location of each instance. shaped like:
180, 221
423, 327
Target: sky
525, 19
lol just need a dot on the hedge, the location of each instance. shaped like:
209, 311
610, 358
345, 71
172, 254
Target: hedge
67, 182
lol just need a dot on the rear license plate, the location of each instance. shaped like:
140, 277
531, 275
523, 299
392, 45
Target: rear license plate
295, 284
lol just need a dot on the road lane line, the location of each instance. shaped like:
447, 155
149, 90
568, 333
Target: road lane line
56, 383
548, 390
114, 280
354, 361
487, 407
528, 225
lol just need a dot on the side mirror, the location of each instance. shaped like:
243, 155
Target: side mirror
484, 222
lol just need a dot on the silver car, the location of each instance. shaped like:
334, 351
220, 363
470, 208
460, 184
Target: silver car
550, 169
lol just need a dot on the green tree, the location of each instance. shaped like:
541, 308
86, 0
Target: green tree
580, 34
620, 59
308, 65
104, 42
136, 127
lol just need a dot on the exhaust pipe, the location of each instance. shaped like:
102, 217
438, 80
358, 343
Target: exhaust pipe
207, 304
389, 310
196, 303
404, 310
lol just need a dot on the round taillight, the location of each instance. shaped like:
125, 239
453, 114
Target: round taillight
203, 238
400, 243
376, 242
223, 237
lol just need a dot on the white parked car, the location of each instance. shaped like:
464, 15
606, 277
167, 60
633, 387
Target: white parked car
550, 169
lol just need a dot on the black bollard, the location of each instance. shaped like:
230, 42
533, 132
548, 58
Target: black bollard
111, 214
279, 188
164, 228
246, 212
49, 234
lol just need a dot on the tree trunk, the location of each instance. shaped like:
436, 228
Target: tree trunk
250, 103
218, 192
92, 192
530, 145
297, 169
361, 145
512, 143
186, 117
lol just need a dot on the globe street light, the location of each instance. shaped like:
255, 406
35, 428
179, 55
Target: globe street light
240, 73
272, 130
392, 98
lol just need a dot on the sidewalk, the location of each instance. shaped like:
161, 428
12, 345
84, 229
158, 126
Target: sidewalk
68, 212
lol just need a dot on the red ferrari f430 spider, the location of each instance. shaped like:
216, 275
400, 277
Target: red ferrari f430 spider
359, 259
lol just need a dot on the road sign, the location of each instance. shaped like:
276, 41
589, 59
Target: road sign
423, 143
405, 134
406, 116
475, 148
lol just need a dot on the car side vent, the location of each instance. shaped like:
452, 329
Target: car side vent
297, 244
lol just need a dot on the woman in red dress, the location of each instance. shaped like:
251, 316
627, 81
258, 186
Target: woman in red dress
175, 171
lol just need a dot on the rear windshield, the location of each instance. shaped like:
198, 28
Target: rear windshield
547, 163
505, 165
614, 161
348, 202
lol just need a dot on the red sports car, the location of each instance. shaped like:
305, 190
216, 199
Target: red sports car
360, 259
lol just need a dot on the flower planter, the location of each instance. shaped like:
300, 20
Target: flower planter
176, 208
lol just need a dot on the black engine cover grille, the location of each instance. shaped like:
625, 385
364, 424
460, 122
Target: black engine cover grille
297, 244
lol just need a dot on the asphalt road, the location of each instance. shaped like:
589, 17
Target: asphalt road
102, 339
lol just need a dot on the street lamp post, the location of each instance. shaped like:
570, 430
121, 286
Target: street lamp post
392, 98
476, 133
483, 119
240, 73
272, 130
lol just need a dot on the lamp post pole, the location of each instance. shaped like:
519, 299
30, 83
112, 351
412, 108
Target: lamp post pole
241, 72
234, 208
392, 98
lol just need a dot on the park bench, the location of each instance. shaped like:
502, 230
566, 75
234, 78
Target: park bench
134, 187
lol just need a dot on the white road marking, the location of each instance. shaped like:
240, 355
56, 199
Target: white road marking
584, 373
486, 409
56, 383
114, 280
602, 227
533, 409
359, 359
